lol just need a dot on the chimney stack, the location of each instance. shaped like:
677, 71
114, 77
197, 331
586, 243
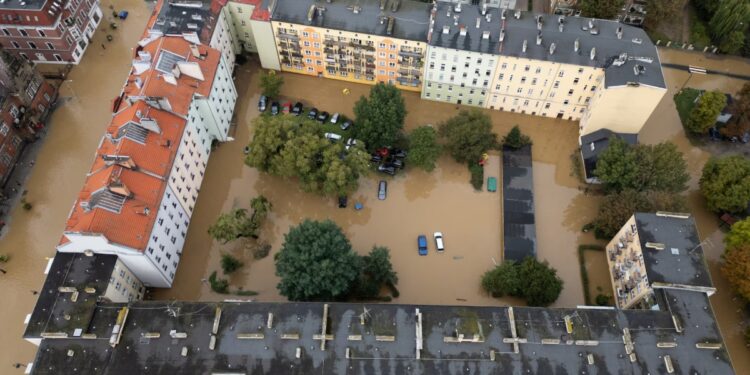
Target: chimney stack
486, 34
479, 21
539, 38
619, 32
525, 45
518, 15
484, 8
539, 22
552, 48
593, 53
502, 35
462, 30
577, 45
455, 20
488, 17
503, 14
446, 29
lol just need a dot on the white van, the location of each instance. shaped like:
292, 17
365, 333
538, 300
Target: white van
333, 137
439, 241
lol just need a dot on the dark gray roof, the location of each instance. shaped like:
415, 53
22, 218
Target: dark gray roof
187, 16
519, 228
411, 19
70, 270
272, 354
27, 5
608, 46
682, 260
593, 144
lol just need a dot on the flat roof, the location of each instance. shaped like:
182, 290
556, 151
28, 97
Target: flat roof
176, 17
387, 341
22, 5
76, 271
412, 18
682, 260
634, 41
519, 234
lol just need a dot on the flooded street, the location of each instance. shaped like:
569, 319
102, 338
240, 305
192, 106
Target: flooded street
74, 130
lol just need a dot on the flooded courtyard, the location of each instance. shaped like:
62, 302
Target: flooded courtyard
417, 202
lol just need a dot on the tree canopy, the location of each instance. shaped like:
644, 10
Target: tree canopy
604, 9
738, 235
377, 271
736, 269
293, 147
236, 223
725, 184
468, 135
728, 17
703, 116
618, 207
316, 262
531, 279
740, 109
270, 83
642, 167
423, 148
515, 139
379, 117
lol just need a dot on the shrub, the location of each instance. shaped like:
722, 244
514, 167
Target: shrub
4, 258
515, 139
230, 264
246, 293
218, 285
602, 300
477, 175
261, 250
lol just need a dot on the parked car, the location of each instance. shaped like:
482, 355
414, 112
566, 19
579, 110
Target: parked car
274, 108
387, 170
375, 158
262, 103
382, 190
346, 125
343, 201
333, 137
313, 114
439, 241
422, 244
322, 117
286, 107
398, 153
335, 118
350, 143
297, 109
396, 163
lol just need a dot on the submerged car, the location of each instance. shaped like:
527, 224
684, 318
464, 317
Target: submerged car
422, 244
387, 170
262, 103
312, 114
274, 108
297, 109
346, 125
322, 117
335, 118
382, 190
439, 241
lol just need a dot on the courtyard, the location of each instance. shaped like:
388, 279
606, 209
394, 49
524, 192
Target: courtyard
418, 203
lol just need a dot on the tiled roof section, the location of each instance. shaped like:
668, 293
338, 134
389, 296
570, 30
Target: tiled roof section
177, 17
127, 180
192, 76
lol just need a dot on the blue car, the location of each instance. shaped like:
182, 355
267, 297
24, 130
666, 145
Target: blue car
422, 244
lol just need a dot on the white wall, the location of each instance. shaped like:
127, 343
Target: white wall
265, 43
223, 40
123, 285
168, 235
216, 110
458, 76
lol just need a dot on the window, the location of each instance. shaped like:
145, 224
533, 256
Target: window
23, 32
32, 45
4, 129
15, 45
6, 32
41, 33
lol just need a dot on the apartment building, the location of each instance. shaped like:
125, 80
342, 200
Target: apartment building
139, 196
48, 31
656, 251
363, 42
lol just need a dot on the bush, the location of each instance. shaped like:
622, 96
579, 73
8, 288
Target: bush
502, 280
270, 83
515, 139
532, 280
602, 300
218, 285
261, 250
4, 258
230, 264
246, 293
477, 175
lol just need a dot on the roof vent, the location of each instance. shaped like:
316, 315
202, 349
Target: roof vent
484, 8
577, 45
479, 22
503, 14
455, 20
383, 4
458, 8
502, 35
462, 30
539, 22
592, 55
446, 29
88, 253
639, 69
619, 32
486, 34
539, 38
394, 5
552, 49
525, 45
488, 17
517, 15
561, 27
593, 147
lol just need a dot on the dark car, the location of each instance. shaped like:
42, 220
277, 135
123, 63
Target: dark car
343, 201
297, 109
312, 114
382, 190
322, 117
375, 158
387, 170
274, 108
346, 125
398, 153
262, 103
396, 163
422, 244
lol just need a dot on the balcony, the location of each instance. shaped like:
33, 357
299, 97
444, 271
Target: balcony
285, 36
408, 82
409, 54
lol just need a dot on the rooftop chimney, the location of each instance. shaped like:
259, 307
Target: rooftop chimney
479, 22
458, 8
394, 5
455, 20
525, 45
577, 45
552, 49
502, 14
539, 22
484, 8
539, 38
462, 30
488, 17
593, 53
486, 34
383, 4
446, 29
561, 27
517, 15
619, 32
502, 35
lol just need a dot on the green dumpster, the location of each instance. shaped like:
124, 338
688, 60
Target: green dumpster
492, 184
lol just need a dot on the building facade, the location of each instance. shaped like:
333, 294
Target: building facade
49, 31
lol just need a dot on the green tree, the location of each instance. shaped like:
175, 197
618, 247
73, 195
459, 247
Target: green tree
379, 118
218, 285
541, 285
729, 16
703, 116
515, 139
270, 83
230, 264
725, 184
705, 8
738, 235
468, 135
377, 271
230, 226
502, 280
642, 167
733, 43
617, 208
740, 109
477, 176
736, 269
316, 262
423, 148
604, 9
659, 10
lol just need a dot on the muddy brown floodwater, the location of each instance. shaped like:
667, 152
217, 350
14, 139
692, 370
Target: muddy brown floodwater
75, 128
